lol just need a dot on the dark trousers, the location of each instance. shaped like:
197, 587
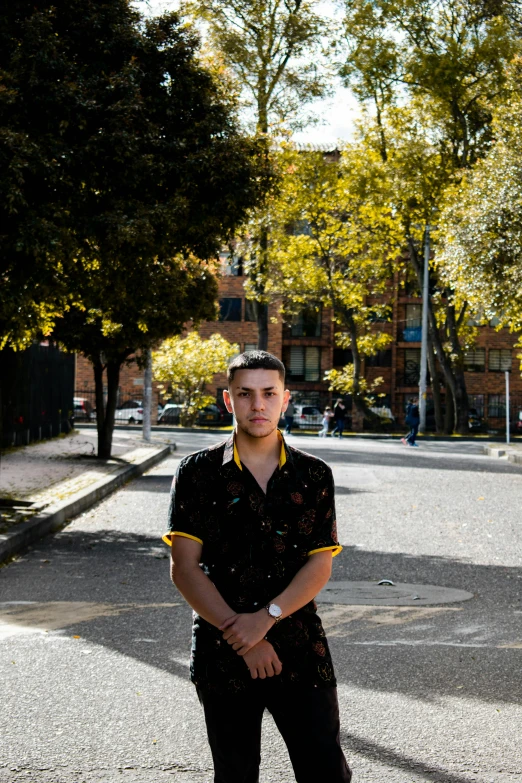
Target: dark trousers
410, 437
289, 422
307, 718
339, 427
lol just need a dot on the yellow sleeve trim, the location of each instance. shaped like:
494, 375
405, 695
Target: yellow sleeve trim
333, 549
167, 537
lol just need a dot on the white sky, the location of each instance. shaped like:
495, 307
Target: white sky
337, 114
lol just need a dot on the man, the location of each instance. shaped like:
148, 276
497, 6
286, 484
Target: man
339, 413
252, 530
413, 422
289, 416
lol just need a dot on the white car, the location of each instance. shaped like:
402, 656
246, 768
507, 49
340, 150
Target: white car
131, 411
308, 417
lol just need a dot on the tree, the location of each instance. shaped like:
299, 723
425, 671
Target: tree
332, 247
481, 228
271, 49
188, 365
445, 60
139, 170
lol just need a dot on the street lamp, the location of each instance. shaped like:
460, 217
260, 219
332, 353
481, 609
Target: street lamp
423, 384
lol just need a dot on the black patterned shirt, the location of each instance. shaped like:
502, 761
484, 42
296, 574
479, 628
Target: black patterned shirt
253, 546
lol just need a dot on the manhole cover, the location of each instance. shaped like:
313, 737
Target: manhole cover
399, 594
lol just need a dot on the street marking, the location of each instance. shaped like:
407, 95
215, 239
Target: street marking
30, 618
338, 620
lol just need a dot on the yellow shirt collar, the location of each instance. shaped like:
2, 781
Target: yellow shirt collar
282, 454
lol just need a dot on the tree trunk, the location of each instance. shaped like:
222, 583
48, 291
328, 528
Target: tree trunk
147, 395
358, 400
261, 310
444, 361
449, 416
435, 388
261, 306
461, 393
106, 424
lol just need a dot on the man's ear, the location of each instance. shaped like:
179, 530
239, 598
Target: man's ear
227, 401
286, 397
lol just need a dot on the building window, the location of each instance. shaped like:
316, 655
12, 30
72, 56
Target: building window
303, 363
231, 264
380, 359
412, 332
250, 346
476, 404
499, 359
250, 310
342, 357
475, 361
411, 366
230, 309
307, 323
496, 406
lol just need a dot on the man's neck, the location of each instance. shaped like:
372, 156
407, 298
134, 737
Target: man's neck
257, 450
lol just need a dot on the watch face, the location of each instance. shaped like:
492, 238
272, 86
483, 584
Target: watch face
275, 611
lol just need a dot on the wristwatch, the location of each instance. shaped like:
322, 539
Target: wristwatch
275, 612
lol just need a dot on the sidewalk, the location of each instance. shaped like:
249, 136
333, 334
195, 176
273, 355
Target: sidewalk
510, 451
45, 484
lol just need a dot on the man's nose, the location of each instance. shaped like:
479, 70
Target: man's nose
258, 402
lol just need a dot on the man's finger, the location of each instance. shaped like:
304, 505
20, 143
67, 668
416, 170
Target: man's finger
269, 669
228, 623
253, 673
278, 666
262, 673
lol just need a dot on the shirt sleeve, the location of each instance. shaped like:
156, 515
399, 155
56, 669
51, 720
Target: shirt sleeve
184, 515
324, 530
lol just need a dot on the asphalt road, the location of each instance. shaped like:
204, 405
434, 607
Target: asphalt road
94, 639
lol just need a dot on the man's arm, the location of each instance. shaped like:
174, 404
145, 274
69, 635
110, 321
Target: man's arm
195, 586
243, 631
204, 597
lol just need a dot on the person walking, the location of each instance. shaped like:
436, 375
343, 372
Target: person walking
289, 416
339, 412
413, 421
325, 424
252, 534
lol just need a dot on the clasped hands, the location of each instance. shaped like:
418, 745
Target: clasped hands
246, 635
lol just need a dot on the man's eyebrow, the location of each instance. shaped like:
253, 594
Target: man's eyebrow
247, 388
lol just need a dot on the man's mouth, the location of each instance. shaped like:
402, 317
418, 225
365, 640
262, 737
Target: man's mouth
258, 419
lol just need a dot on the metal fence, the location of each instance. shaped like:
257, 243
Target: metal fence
36, 394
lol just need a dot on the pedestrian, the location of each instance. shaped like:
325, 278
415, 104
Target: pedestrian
252, 531
413, 421
339, 412
289, 416
325, 423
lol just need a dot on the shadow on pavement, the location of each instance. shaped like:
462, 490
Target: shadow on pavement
114, 567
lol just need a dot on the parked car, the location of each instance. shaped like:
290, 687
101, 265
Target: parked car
475, 422
211, 414
307, 416
83, 410
170, 414
517, 424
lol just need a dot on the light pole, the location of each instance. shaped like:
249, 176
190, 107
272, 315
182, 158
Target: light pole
423, 384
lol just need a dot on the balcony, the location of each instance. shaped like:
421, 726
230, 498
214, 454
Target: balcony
412, 334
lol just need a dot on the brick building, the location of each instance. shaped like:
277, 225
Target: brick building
306, 346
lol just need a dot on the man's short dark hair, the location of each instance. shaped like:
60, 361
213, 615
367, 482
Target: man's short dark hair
255, 360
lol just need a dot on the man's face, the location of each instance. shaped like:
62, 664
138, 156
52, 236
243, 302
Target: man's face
257, 398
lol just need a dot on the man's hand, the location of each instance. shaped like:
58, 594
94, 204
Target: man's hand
262, 661
244, 631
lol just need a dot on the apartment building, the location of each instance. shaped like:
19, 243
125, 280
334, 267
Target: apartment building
307, 347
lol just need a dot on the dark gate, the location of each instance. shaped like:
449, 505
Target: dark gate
36, 394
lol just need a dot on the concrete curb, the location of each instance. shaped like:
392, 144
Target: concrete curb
57, 514
513, 455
